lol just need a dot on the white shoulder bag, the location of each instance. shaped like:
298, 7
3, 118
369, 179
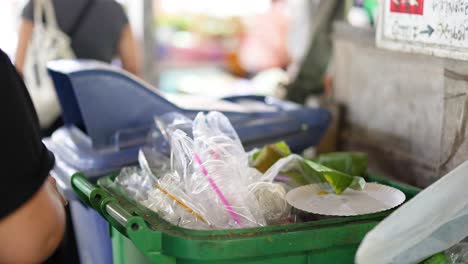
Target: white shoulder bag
47, 43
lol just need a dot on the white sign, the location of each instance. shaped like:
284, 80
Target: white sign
435, 27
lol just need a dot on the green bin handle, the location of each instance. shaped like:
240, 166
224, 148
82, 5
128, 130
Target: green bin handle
133, 227
82, 187
89, 193
102, 201
136, 229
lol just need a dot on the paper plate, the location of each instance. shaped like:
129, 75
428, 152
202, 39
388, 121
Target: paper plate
374, 198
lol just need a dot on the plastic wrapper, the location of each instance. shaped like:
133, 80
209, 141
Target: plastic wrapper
212, 166
164, 196
433, 221
169, 200
272, 201
457, 254
153, 162
136, 182
207, 182
170, 122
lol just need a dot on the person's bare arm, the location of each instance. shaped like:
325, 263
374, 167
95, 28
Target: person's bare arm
24, 36
129, 51
32, 232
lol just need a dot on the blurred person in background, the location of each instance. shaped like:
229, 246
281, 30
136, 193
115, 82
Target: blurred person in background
265, 40
103, 32
97, 29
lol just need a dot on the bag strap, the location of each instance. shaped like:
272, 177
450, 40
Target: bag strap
38, 7
81, 16
44, 8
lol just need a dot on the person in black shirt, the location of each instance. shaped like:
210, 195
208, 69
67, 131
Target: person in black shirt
32, 217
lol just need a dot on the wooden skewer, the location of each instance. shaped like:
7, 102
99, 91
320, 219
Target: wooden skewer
181, 204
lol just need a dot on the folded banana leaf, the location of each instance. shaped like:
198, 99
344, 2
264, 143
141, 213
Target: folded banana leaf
340, 170
269, 155
339, 181
352, 163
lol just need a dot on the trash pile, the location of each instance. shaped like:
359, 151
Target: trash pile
210, 181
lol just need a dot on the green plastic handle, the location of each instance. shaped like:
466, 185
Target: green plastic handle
92, 195
82, 187
97, 198
118, 214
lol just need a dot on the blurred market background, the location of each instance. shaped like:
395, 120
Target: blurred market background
214, 48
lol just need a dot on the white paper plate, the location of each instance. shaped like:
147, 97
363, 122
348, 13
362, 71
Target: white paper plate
374, 198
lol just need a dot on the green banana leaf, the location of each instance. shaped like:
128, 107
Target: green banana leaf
337, 169
352, 163
439, 258
304, 174
339, 181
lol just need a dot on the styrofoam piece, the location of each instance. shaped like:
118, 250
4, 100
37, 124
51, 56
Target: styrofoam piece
372, 199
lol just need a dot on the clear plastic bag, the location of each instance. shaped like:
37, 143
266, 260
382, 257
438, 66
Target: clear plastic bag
136, 182
212, 166
153, 162
169, 200
170, 122
433, 221
165, 196
457, 254
271, 199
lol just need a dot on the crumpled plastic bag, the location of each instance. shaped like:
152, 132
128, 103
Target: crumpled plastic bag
431, 222
457, 254
207, 183
136, 182
172, 203
271, 198
163, 192
153, 162
213, 167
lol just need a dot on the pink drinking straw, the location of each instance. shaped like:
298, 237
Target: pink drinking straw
218, 192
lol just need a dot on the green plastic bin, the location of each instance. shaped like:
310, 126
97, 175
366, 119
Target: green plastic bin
139, 235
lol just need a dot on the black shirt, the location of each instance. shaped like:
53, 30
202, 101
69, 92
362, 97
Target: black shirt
26, 162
